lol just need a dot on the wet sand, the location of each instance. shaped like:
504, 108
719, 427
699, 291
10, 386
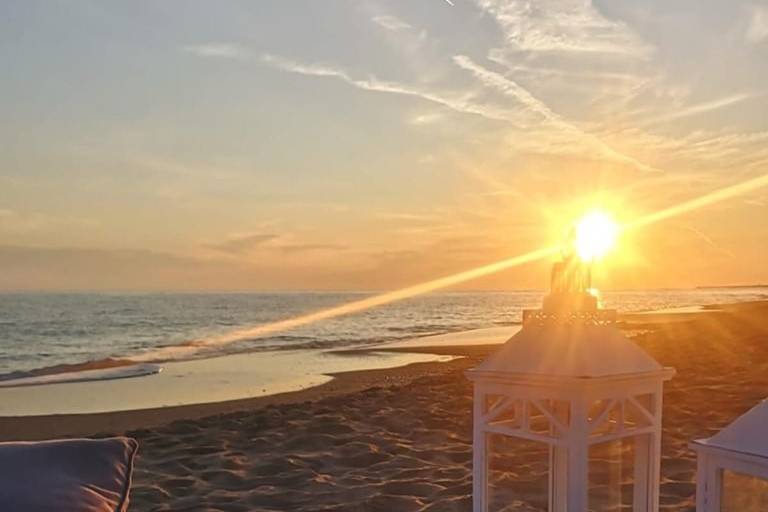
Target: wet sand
199, 381
400, 439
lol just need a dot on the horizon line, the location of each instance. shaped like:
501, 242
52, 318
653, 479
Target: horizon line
350, 290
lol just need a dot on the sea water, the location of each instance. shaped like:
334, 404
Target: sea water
47, 330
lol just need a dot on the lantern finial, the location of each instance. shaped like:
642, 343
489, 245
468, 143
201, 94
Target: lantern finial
569, 298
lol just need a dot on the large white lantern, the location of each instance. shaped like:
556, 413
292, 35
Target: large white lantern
567, 414
733, 465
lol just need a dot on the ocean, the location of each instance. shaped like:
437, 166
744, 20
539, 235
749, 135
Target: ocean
47, 330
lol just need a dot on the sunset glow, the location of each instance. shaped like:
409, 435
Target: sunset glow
595, 235
495, 127
261, 232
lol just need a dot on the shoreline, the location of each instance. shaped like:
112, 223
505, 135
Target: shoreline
39, 427
42, 426
107, 366
121, 368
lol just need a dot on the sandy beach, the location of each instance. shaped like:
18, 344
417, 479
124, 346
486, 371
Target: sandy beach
399, 439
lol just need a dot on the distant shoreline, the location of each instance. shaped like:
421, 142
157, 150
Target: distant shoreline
21, 291
732, 286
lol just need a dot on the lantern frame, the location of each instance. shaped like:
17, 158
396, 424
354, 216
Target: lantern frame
741, 447
573, 365
575, 431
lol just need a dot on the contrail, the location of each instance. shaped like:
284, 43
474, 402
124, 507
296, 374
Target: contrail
451, 280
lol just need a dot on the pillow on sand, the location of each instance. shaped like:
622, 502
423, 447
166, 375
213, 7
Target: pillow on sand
78, 475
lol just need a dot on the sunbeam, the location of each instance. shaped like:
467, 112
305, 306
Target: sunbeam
694, 204
468, 275
384, 298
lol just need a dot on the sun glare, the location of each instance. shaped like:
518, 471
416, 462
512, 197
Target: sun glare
595, 235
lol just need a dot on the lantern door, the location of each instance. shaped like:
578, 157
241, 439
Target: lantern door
519, 449
549, 450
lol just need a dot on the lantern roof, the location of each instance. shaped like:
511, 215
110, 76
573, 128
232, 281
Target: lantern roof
570, 336
573, 349
747, 434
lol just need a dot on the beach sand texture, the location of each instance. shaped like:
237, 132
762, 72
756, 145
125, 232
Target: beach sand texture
400, 439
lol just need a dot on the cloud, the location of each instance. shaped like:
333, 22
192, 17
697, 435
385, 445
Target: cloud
240, 244
243, 244
408, 217
391, 23
303, 248
426, 118
76, 268
572, 49
461, 104
700, 108
717, 150
218, 50
619, 78
458, 103
709, 241
16, 222
510, 88
757, 32
562, 26
80, 268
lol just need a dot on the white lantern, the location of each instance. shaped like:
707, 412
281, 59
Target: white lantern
733, 465
567, 414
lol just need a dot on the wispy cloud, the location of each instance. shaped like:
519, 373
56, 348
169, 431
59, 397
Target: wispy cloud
218, 50
572, 47
700, 108
408, 217
18, 222
519, 93
462, 104
456, 102
562, 26
240, 244
508, 87
717, 150
613, 77
392, 23
709, 241
757, 32
305, 248
426, 118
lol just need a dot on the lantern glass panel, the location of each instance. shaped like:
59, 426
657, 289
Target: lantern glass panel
611, 475
518, 474
743, 493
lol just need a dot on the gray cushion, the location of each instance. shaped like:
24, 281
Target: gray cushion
77, 475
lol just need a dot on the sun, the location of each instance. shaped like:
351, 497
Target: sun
595, 235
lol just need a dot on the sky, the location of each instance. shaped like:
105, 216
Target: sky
372, 144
